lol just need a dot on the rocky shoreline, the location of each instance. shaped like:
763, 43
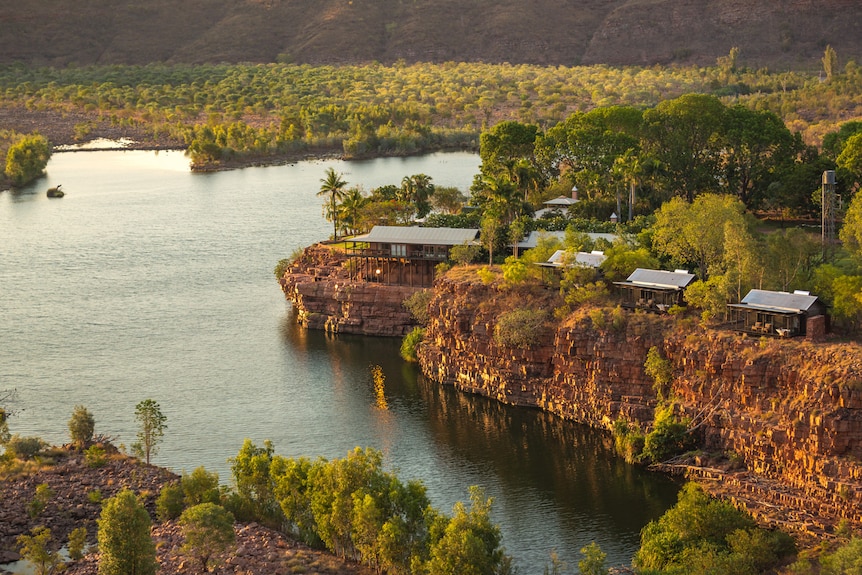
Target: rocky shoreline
78, 489
780, 422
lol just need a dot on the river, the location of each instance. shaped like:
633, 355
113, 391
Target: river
149, 281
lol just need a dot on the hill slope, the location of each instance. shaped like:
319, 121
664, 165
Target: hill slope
775, 33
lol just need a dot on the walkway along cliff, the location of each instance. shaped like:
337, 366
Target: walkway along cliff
780, 420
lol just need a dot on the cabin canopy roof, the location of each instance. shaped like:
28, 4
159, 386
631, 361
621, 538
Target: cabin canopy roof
417, 235
658, 279
532, 240
777, 301
586, 259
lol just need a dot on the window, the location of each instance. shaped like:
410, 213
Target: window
399, 250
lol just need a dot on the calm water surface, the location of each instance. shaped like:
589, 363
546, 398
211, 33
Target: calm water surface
148, 281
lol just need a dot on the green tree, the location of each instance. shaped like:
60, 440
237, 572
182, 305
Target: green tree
501, 147
208, 530
791, 254
756, 143
660, 369
470, 542
332, 187
695, 520
846, 560
447, 199
152, 427
465, 253
694, 233
125, 544
830, 62
200, 486
593, 562
37, 548
254, 484
851, 230
169, 503
81, 426
684, 135
351, 211
415, 191
27, 158
491, 233
850, 158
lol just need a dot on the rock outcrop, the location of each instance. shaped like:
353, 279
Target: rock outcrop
780, 421
786, 413
77, 490
319, 285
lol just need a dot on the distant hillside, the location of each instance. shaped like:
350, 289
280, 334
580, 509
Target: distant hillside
774, 33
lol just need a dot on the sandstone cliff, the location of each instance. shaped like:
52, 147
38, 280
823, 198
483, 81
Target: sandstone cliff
780, 421
787, 414
318, 283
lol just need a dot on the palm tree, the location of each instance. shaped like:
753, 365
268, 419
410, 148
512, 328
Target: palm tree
333, 186
629, 168
350, 208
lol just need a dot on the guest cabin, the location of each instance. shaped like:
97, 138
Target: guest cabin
654, 290
775, 313
399, 255
561, 259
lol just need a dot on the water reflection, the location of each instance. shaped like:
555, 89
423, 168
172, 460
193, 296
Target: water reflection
557, 485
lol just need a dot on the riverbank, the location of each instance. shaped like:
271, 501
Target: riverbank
779, 422
78, 489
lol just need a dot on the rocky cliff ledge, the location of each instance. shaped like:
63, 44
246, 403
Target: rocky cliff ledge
780, 420
319, 286
782, 417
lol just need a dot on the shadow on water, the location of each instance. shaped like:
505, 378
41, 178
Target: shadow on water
532, 462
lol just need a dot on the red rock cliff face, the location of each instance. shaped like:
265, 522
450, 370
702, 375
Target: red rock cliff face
789, 412
319, 285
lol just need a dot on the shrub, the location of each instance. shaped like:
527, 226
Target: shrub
515, 271
94, 496
36, 548
486, 275
24, 447
668, 437
519, 328
169, 504
281, 267
628, 440
40, 500
81, 426
464, 253
417, 305
200, 487
411, 343
77, 542
660, 370
597, 317
95, 456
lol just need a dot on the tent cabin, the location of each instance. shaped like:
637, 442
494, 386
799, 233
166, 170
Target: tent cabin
400, 255
553, 268
654, 290
531, 240
778, 313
